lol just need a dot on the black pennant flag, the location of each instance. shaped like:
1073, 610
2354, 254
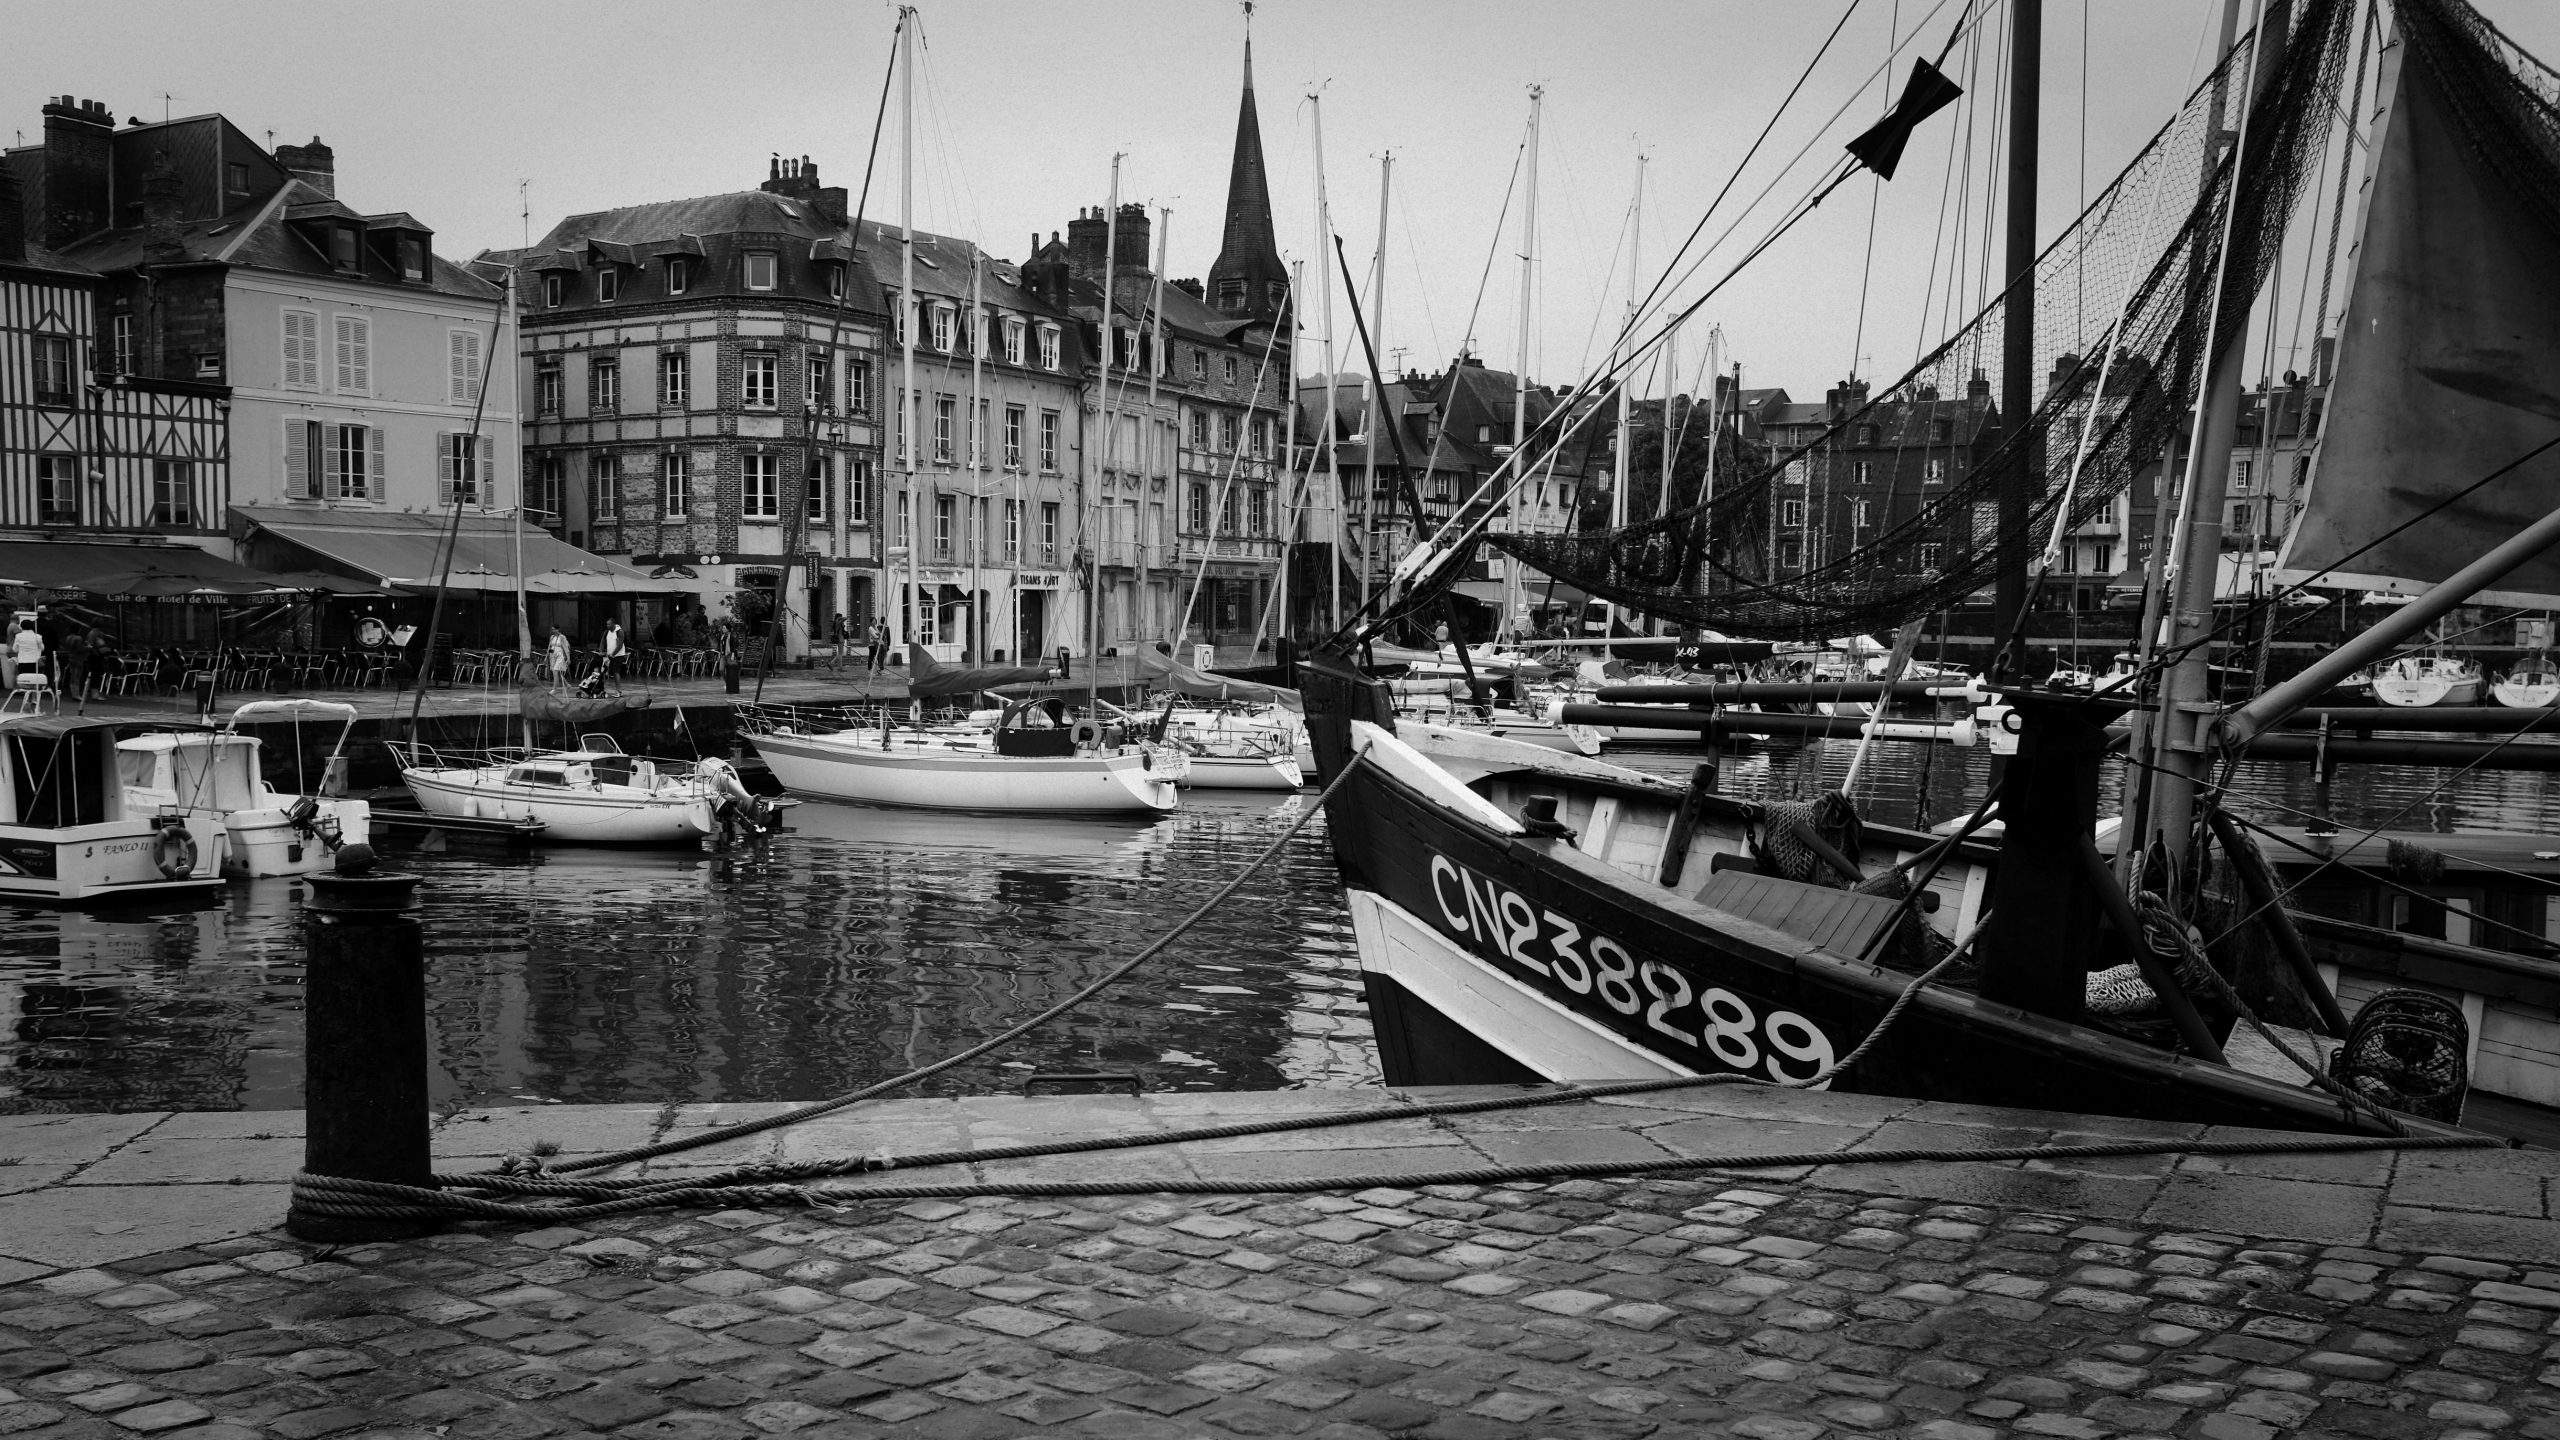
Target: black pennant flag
1930, 91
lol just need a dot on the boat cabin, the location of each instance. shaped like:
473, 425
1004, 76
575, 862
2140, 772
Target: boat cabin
61, 772
196, 769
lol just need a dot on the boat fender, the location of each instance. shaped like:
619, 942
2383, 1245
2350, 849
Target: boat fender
1087, 734
174, 851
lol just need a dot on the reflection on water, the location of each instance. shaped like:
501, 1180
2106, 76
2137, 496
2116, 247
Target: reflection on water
856, 945
862, 943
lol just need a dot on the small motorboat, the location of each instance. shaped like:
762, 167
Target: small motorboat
2421, 681
70, 832
220, 774
2534, 684
592, 795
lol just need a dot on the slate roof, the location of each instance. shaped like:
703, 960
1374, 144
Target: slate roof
260, 236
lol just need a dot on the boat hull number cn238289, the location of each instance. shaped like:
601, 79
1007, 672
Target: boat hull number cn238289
1649, 1001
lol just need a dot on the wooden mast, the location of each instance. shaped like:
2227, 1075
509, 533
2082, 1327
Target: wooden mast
2024, 479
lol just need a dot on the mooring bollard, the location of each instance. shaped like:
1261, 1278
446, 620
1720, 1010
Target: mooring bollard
364, 1048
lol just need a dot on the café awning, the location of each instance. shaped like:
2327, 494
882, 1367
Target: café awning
111, 570
409, 551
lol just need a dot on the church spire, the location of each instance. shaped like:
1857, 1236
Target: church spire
1248, 281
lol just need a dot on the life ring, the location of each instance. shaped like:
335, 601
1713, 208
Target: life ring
174, 852
1087, 734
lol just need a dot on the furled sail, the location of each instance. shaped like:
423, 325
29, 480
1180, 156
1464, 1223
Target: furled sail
1172, 674
2449, 357
928, 677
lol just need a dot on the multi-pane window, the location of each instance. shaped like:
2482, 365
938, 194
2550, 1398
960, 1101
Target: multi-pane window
1791, 512
760, 495
555, 290
822, 379
759, 382
549, 479
946, 511
1012, 528
835, 281
946, 414
2239, 477
57, 490
1049, 528
1048, 347
857, 491
821, 470
604, 386
120, 345
604, 489
1258, 512
901, 541
1866, 472
679, 274
465, 469
1199, 430
675, 379
609, 284
53, 369
1860, 513
898, 320
1013, 338
1227, 512
350, 461
173, 492
1934, 471
1929, 559
941, 331
1048, 439
1196, 512
1124, 348
675, 487
1231, 369
301, 350
462, 367
1227, 434
546, 389
1013, 418
1199, 364
1262, 437
760, 270
857, 387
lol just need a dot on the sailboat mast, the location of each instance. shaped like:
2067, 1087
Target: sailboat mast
1291, 514
1617, 352
2182, 760
1377, 397
977, 452
1324, 435
524, 616
2025, 478
1110, 431
910, 314
1528, 285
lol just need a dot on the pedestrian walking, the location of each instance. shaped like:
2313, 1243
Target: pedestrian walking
879, 646
79, 646
617, 655
841, 637
555, 658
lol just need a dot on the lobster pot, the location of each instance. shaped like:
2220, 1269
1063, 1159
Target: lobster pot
2406, 1051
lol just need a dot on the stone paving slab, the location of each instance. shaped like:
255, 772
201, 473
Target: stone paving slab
2413, 1297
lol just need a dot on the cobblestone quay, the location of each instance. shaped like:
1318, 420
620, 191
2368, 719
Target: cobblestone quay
2370, 1295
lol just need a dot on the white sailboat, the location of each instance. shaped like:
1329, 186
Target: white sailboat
2419, 681
2533, 684
1017, 768
591, 795
220, 774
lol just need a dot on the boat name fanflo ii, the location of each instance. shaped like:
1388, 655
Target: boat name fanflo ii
1557, 920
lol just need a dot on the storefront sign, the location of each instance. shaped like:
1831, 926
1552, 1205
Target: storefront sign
1043, 580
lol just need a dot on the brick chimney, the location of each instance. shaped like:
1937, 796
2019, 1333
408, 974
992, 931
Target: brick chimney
315, 165
78, 139
1136, 231
164, 198
1087, 236
798, 180
13, 219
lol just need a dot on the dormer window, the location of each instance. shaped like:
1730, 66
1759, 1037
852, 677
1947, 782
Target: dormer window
413, 258
608, 284
1049, 347
835, 280
555, 290
941, 332
1013, 332
679, 274
759, 269
235, 178
344, 252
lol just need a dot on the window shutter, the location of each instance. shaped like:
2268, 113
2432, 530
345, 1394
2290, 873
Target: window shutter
301, 350
333, 452
363, 332
297, 457
444, 469
488, 473
464, 367
379, 480
346, 352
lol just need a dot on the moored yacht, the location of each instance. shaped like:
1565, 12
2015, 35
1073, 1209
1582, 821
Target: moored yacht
70, 834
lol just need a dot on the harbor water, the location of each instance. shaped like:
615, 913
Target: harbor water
860, 943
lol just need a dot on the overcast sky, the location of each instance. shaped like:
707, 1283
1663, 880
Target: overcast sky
442, 111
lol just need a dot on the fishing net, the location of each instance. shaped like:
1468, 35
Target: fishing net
2506, 102
1918, 470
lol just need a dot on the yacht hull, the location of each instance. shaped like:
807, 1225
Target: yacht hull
936, 778
265, 844
566, 817
1245, 772
112, 863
